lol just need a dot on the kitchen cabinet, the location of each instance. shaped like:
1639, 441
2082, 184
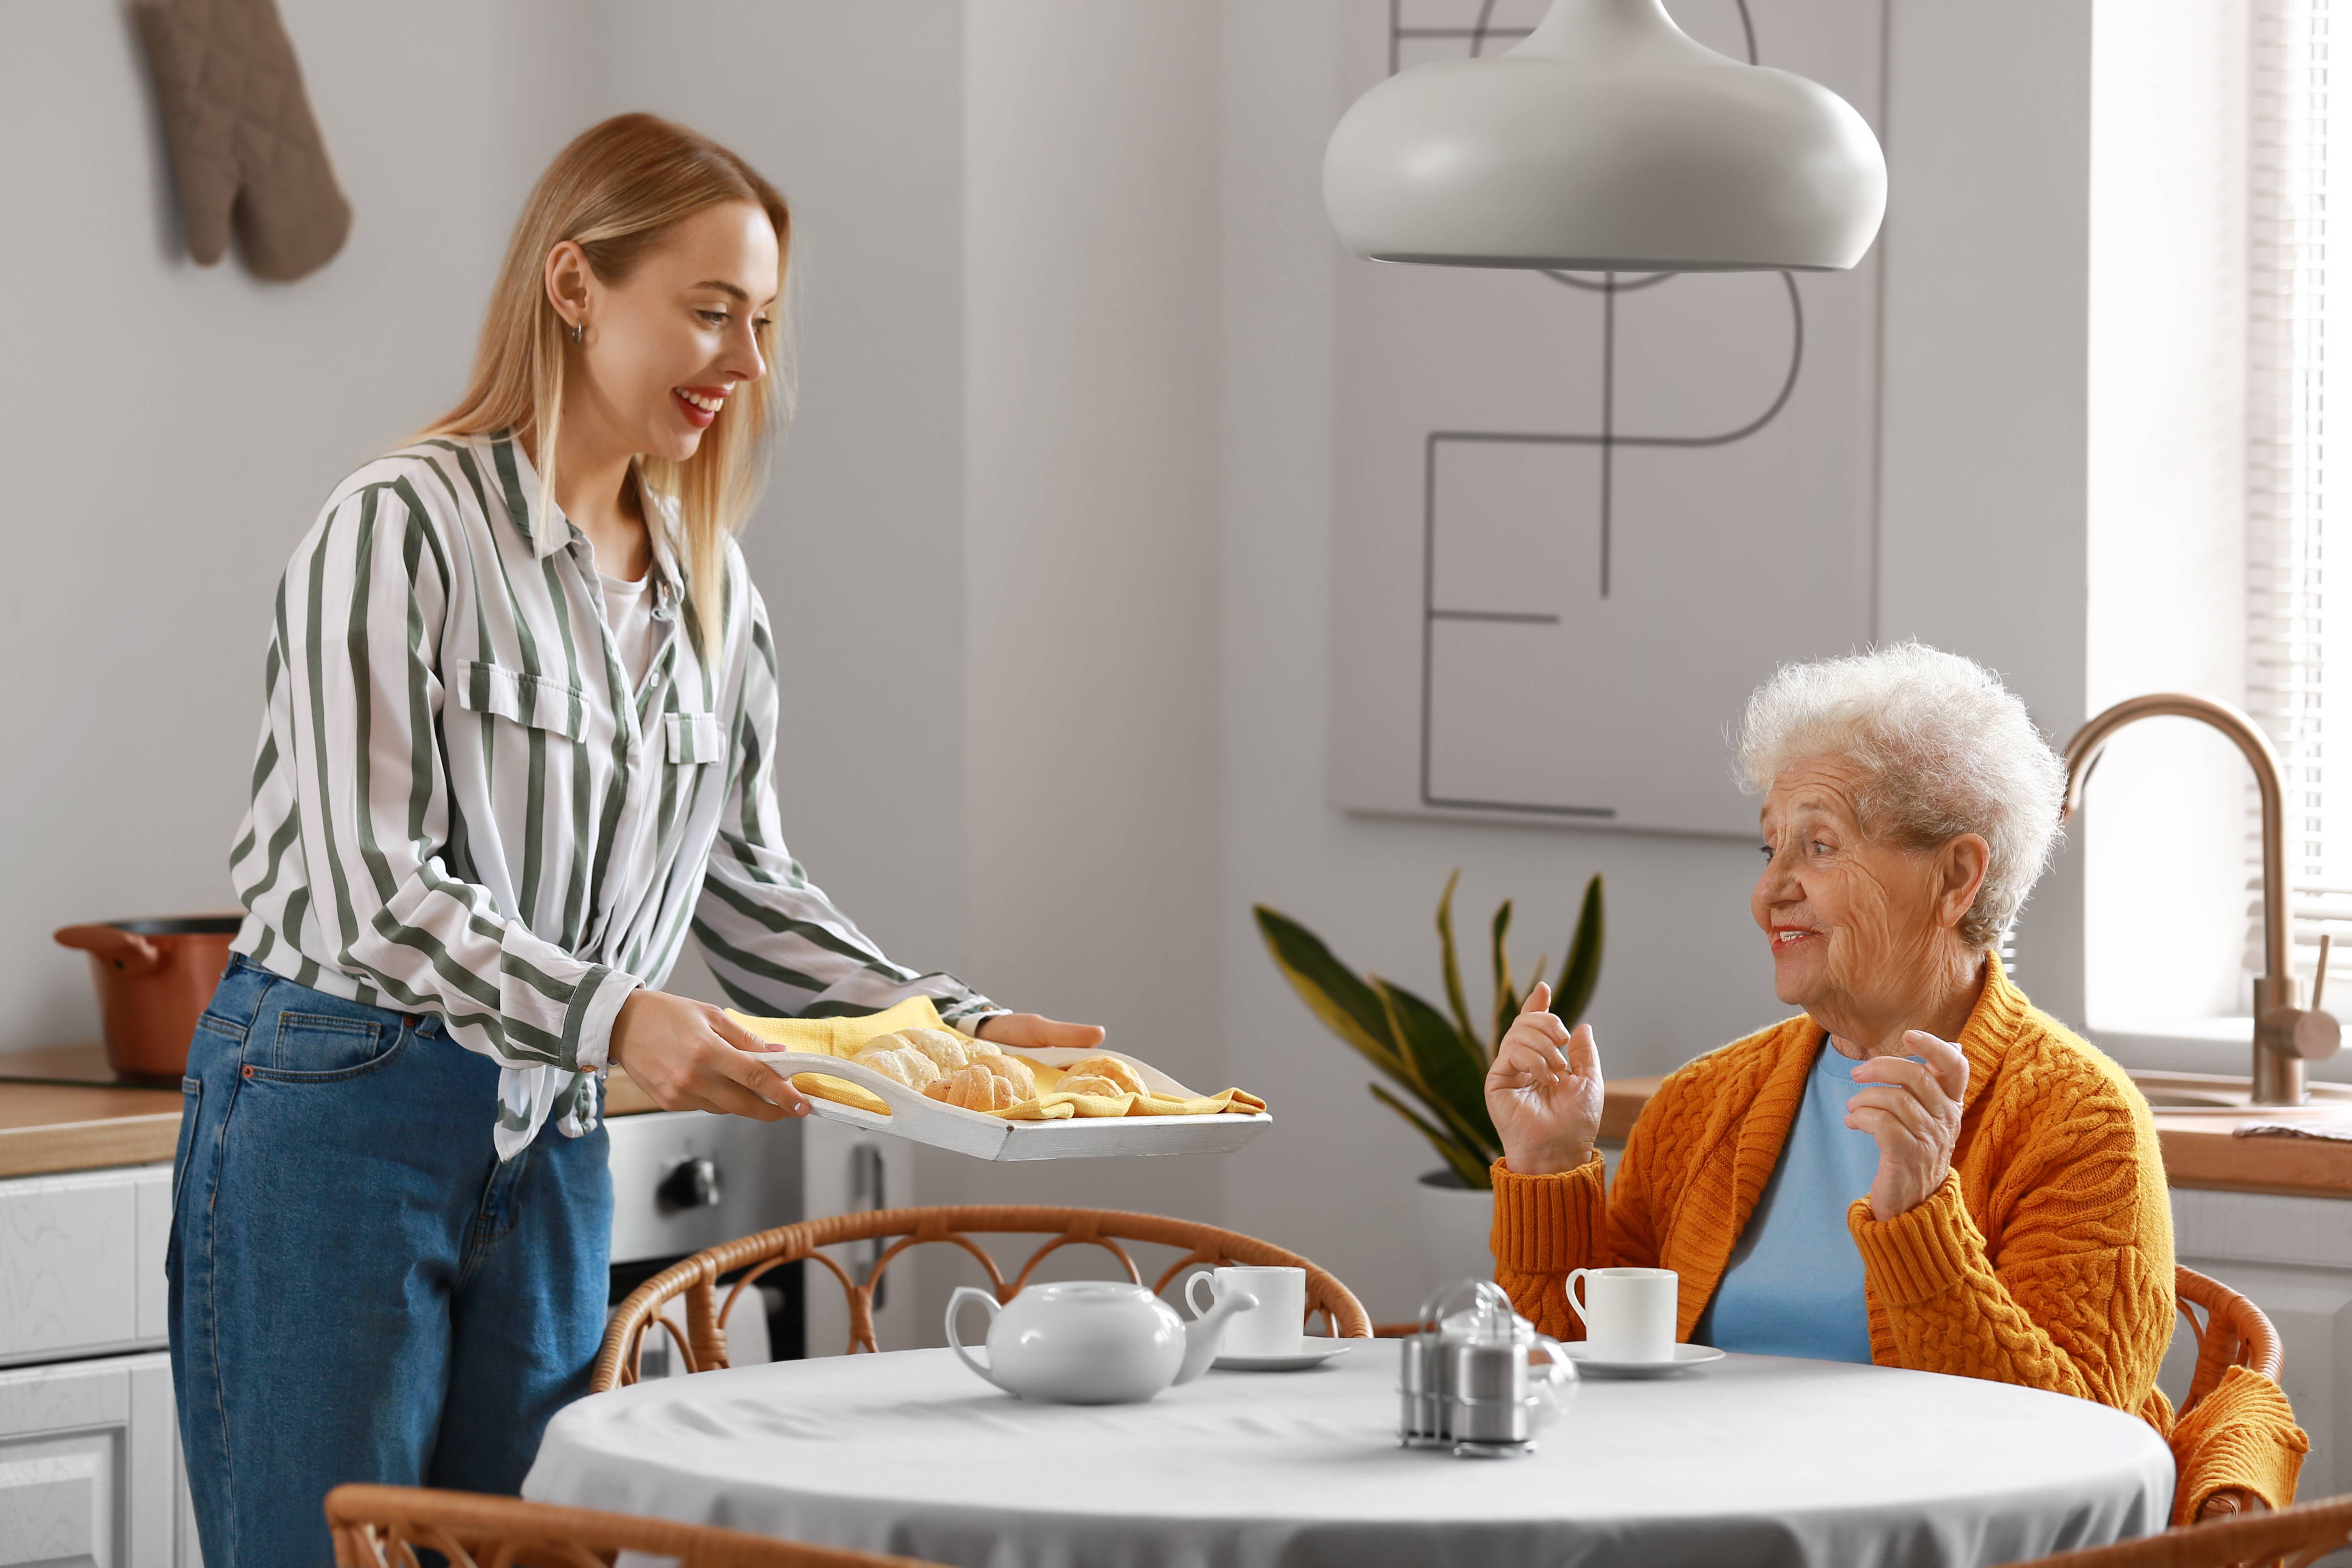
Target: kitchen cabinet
89, 1450
89, 1466
81, 1263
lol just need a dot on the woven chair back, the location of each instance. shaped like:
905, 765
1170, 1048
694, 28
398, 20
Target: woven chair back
701, 1345
2232, 1332
390, 1527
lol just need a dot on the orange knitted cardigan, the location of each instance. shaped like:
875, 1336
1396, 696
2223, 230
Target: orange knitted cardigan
2045, 1258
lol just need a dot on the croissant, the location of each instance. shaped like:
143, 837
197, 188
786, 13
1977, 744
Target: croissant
947, 1052
1125, 1078
1090, 1084
1016, 1073
974, 1089
902, 1063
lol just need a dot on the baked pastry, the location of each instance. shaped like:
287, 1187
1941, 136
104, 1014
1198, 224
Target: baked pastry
948, 1053
1089, 1084
974, 1087
900, 1062
1123, 1077
1016, 1073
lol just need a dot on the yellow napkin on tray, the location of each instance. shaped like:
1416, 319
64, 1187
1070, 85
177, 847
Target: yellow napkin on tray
842, 1037
845, 1038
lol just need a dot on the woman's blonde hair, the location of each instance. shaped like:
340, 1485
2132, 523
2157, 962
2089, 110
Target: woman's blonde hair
616, 192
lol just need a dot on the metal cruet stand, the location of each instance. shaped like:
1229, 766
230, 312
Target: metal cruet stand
1468, 1383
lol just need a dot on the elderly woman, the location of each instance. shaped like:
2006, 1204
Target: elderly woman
1920, 1170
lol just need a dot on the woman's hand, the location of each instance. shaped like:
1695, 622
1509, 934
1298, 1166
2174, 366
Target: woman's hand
1913, 1110
1543, 1090
1026, 1029
689, 1056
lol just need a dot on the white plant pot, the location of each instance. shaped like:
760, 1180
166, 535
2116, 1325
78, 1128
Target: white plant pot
1450, 1224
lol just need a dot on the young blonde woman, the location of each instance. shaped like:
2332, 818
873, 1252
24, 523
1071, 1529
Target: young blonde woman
520, 726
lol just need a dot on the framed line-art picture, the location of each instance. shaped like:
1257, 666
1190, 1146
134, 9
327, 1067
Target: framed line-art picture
1581, 516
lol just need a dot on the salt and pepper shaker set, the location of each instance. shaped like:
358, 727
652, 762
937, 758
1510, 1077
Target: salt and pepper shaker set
1468, 1383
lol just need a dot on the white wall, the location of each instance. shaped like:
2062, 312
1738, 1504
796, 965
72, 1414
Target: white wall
1091, 805
1981, 466
172, 429
856, 113
169, 430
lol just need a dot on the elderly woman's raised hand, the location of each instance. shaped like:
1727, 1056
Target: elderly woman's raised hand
1913, 1110
1543, 1090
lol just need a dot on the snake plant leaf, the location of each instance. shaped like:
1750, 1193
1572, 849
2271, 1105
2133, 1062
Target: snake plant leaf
1348, 1007
1474, 1173
1451, 1077
1579, 972
1455, 999
1506, 992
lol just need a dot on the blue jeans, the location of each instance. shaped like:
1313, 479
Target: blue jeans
359, 1291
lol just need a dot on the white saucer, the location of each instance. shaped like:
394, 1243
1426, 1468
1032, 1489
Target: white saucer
1314, 1352
1684, 1356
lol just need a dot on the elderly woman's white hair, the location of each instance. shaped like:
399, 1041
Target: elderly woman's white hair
1942, 748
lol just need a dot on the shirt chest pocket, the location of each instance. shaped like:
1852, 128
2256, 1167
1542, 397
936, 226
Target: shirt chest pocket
693, 739
535, 700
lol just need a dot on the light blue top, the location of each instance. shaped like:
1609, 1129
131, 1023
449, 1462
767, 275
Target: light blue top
1794, 1283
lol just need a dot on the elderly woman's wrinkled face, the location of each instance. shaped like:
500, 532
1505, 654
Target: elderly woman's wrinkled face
1860, 926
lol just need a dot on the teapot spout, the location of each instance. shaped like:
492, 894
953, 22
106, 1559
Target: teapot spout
1201, 1334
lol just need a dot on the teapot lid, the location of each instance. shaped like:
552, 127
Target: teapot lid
1086, 1291
1488, 1318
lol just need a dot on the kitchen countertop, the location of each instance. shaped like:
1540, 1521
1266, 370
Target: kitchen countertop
61, 1109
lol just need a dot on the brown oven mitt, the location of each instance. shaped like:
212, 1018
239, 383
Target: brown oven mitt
244, 144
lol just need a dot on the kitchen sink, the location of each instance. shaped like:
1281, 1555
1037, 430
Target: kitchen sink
2225, 1092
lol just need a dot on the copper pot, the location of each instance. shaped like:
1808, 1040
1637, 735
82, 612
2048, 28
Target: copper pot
153, 978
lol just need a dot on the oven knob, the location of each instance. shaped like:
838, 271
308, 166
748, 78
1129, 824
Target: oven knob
693, 1185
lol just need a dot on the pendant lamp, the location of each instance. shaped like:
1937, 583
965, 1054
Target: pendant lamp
1608, 140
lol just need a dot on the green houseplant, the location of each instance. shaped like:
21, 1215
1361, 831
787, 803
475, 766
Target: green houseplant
1439, 1059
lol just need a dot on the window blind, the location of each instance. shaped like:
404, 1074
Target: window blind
2298, 682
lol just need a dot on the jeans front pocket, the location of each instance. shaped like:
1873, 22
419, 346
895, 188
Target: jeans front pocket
323, 1048
191, 1107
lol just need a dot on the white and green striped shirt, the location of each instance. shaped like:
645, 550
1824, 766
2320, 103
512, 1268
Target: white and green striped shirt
459, 807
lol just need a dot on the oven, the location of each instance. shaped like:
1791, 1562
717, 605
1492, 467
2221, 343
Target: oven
686, 1180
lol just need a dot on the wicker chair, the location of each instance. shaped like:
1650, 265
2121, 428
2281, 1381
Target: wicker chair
2294, 1536
387, 1527
702, 1346
2233, 1332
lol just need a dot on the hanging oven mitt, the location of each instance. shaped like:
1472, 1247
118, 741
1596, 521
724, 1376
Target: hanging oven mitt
244, 145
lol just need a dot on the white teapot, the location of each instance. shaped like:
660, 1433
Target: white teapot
1092, 1341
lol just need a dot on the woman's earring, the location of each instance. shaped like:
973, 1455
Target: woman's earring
579, 329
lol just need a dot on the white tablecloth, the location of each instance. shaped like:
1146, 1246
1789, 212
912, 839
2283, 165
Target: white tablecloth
1752, 1460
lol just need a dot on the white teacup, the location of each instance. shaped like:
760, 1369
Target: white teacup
1273, 1327
1628, 1313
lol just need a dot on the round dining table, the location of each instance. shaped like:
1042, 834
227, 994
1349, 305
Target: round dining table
1750, 1460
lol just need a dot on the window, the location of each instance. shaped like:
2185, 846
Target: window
2298, 674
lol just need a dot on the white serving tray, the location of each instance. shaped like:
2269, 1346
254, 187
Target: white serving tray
984, 1137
